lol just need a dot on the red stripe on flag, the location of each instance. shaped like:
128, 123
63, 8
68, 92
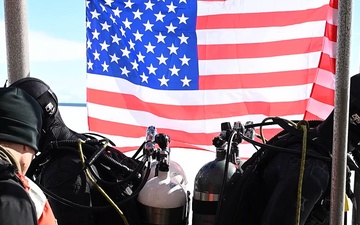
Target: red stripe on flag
256, 50
323, 94
327, 63
267, 19
334, 4
125, 130
275, 79
331, 32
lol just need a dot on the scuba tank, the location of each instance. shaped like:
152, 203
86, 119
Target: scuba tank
151, 140
210, 179
163, 200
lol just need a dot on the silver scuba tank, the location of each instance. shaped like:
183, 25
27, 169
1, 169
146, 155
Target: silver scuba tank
163, 200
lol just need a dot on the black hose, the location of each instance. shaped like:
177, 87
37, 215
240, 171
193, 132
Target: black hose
224, 180
97, 208
136, 172
328, 159
107, 159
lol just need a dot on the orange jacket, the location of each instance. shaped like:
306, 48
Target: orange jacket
44, 213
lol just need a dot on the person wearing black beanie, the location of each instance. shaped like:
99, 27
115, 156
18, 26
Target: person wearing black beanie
75, 200
20, 129
20, 118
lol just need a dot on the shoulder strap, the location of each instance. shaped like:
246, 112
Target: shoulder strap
11, 178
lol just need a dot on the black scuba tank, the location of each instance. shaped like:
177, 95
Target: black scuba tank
209, 182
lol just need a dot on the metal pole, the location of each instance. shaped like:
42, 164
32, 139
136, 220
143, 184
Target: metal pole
341, 114
17, 46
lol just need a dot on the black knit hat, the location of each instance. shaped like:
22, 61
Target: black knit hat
20, 117
42, 93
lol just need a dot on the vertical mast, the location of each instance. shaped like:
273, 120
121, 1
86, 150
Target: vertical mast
17, 44
341, 114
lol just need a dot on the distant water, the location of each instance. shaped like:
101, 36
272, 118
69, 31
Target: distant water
70, 104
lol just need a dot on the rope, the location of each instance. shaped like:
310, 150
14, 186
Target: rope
82, 157
302, 125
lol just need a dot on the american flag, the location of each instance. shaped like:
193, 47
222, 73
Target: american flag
186, 66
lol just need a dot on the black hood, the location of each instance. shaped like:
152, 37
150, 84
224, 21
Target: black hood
54, 128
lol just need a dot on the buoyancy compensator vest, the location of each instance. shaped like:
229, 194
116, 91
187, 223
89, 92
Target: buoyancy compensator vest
98, 180
237, 206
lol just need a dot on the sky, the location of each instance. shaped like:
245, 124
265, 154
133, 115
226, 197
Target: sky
57, 36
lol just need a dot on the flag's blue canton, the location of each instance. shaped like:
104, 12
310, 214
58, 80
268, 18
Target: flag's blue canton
150, 43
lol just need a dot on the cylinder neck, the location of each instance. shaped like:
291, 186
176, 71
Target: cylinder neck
220, 154
163, 175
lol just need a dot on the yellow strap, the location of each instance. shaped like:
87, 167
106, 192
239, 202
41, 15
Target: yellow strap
92, 179
347, 208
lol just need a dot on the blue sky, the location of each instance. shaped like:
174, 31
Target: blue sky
61, 62
57, 45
